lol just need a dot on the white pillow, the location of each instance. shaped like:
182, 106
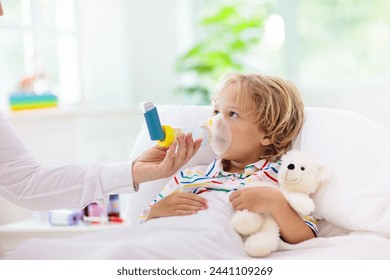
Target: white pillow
357, 152
174, 115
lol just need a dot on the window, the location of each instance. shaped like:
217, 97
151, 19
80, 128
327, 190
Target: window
318, 43
33, 34
343, 41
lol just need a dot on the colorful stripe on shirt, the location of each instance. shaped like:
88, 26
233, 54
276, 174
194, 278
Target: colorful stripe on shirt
212, 177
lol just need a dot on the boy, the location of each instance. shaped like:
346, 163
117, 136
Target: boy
264, 115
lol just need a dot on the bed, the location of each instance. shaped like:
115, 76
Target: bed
352, 207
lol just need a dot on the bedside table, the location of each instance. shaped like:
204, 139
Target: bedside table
13, 234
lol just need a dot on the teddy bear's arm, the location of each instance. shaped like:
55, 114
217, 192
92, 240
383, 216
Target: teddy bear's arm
301, 203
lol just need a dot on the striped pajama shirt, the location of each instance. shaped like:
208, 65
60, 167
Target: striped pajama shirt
212, 177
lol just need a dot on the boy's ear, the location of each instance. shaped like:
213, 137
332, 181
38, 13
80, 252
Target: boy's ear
265, 141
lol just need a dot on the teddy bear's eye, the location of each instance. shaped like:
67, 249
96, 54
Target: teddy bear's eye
302, 168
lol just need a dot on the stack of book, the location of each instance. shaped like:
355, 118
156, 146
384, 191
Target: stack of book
27, 100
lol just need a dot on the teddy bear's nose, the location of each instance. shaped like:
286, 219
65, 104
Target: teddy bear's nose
291, 166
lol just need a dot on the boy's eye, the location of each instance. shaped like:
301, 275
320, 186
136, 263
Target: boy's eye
216, 112
233, 114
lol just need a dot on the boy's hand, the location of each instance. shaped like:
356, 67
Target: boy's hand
158, 162
177, 204
257, 199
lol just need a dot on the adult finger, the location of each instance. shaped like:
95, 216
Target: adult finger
169, 160
197, 144
189, 147
192, 147
181, 153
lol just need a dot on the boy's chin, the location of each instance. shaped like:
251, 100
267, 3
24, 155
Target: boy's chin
227, 157
224, 156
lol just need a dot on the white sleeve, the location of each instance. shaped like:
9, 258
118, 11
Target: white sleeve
29, 184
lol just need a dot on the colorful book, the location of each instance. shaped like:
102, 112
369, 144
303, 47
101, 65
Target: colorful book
26, 100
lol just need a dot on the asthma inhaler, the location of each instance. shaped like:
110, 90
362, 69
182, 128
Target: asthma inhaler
166, 134
153, 123
214, 131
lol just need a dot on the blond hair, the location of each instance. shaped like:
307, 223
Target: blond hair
278, 107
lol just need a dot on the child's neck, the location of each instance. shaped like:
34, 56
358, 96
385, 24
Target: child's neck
233, 166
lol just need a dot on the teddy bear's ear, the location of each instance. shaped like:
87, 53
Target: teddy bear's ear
324, 174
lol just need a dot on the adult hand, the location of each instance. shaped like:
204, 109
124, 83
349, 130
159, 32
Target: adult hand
158, 162
257, 199
177, 204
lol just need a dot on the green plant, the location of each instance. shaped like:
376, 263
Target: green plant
228, 35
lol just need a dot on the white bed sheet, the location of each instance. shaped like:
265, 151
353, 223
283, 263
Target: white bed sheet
205, 235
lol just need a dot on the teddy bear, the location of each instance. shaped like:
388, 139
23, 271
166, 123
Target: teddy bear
299, 176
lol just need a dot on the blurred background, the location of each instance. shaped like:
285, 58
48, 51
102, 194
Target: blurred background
100, 59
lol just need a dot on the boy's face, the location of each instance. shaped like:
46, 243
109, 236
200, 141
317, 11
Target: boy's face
1, 10
247, 137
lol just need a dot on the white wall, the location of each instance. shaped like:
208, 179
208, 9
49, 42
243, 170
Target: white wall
105, 52
129, 49
152, 39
